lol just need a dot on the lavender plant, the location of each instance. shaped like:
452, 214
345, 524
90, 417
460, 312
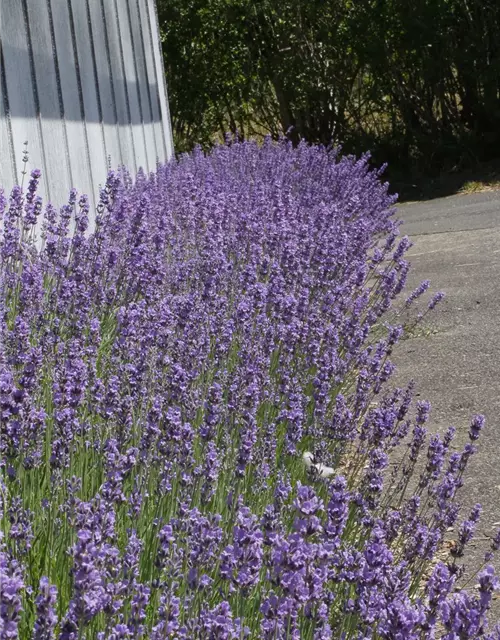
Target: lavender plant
196, 425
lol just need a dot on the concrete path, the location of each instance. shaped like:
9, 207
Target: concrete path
457, 368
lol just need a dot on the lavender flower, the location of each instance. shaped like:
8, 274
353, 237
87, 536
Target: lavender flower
46, 616
11, 584
436, 299
419, 291
159, 376
476, 427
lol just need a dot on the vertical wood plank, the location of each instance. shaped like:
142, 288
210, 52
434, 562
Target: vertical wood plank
52, 125
83, 82
105, 83
142, 83
160, 72
18, 80
7, 165
88, 88
148, 44
122, 107
81, 170
131, 82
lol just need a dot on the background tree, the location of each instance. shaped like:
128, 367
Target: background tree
416, 82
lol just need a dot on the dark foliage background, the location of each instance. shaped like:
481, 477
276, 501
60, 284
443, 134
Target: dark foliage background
416, 82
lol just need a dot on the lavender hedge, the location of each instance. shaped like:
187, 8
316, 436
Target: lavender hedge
198, 439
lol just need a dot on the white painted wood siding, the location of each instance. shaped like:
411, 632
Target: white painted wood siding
82, 82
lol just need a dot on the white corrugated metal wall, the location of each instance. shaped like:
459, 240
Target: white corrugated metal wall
82, 82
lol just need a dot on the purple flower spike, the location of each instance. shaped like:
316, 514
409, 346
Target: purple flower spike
46, 616
436, 299
476, 427
419, 291
198, 438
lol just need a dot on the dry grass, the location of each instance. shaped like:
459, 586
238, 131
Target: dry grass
475, 186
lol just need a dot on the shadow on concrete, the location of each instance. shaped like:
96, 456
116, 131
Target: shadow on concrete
421, 188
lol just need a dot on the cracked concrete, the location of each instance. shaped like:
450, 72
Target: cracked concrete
457, 368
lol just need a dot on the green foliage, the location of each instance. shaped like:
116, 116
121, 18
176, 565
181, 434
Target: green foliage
417, 82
